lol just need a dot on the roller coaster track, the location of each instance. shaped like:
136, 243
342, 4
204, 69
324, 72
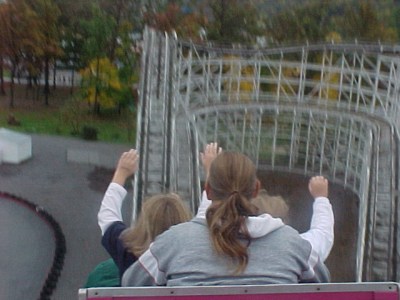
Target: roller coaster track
329, 109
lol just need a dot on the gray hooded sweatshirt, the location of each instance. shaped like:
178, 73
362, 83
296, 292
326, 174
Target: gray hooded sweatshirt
184, 256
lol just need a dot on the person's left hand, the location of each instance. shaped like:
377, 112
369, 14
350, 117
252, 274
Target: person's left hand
210, 153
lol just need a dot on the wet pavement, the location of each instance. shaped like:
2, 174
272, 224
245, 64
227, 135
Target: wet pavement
62, 179
29, 250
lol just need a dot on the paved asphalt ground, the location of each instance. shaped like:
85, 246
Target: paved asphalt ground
22, 230
67, 177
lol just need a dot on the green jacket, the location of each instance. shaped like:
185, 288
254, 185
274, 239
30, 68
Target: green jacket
105, 274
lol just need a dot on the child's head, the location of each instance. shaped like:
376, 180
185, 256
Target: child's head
162, 211
231, 184
232, 172
274, 205
158, 213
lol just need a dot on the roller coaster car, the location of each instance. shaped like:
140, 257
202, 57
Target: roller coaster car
323, 291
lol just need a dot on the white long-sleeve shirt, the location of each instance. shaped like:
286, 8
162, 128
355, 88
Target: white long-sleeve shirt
110, 209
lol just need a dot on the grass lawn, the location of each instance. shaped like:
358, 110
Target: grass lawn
35, 117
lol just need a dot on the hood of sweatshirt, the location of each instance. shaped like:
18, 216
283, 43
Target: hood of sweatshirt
257, 226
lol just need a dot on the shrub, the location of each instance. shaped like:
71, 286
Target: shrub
72, 113
89, 133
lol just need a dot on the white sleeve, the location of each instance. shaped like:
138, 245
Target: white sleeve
321, 233
204, 204
110, 209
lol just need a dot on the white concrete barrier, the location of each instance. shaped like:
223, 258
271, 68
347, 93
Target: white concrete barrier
15, 147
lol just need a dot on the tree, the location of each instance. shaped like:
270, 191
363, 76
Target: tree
72, 45
21, 37
98, 36
72, 34
3, 40
233, 21
126, 13
101, 83
316, 20
361, 21
192, 26
48, 14
311, 22
105, 34
124, 51
165, 20
127, 58
30, 39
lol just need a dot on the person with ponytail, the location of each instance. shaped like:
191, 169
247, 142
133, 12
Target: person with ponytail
228, 244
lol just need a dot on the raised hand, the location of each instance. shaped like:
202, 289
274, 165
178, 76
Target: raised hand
318, 186
210, 153
127, 166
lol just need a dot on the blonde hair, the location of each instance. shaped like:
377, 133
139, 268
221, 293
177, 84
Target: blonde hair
276, 206
158, 213
232, 182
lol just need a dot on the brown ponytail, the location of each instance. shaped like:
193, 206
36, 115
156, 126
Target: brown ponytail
232, 182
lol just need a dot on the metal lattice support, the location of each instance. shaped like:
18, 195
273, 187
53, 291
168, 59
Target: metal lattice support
316, 109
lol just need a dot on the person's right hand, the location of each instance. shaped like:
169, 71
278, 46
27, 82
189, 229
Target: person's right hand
318, 186
127, 165
210, 153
